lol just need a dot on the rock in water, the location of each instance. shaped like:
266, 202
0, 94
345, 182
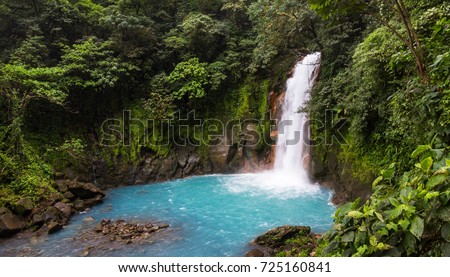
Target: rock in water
52, 214
85, 190
54, 227
287, 241
277, 237
10, 224
66, 209
255, 253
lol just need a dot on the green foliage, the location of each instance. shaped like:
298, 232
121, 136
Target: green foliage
283, 28
91, 64
400, 220
192, 78
32, 52
199, 34
25, 83
159, 104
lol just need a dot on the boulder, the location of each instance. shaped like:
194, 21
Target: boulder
93, 201
78, 205
37, 220
85, 190
65, 208
54, 226
255, 253
69, 195
89, 219
277, 237
4, 210
52, 214
61, 186
10, 224
24, 206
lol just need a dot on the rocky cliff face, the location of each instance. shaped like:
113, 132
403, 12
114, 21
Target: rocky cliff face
179, 163
335, 174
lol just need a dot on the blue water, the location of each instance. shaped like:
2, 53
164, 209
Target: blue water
214, 216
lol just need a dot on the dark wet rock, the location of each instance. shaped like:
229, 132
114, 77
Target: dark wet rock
61, 185
179, 163
65, 208
79, 205
286, 241
85, 190
88, 219
59, 175
126, 233
52, 214
24, 206
335, 174
10, 224
37, 220
4, 210
277, 237
69, 195
182, 161
54, 227
55, 197
255, 253
93, 201
193, 163
167, 169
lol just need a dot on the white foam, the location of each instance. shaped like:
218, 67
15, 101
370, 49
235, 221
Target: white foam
273, 184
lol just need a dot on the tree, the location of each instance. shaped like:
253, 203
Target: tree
19, 85
91, 65
282, 27
199, 34
390, 13
193, 78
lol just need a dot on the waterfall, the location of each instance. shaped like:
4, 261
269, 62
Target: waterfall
289, 179
293, 130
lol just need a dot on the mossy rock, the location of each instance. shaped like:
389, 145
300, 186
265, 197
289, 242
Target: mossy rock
277, 237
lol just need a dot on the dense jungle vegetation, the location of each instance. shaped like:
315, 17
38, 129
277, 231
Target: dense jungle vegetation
68, 65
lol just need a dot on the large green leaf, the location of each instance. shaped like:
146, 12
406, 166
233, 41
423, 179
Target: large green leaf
404, 223
377, 181
348, 237
388, 173
373, 241
392, 226
355, 214
330, 248
445, 232
417, 227
379, 216
360, 238
409, 243
394, 202
396, 212
426, 164
444, 214
420, 150
436, 180
446, 250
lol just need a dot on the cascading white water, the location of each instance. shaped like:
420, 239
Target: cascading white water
292, 132
289, 178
